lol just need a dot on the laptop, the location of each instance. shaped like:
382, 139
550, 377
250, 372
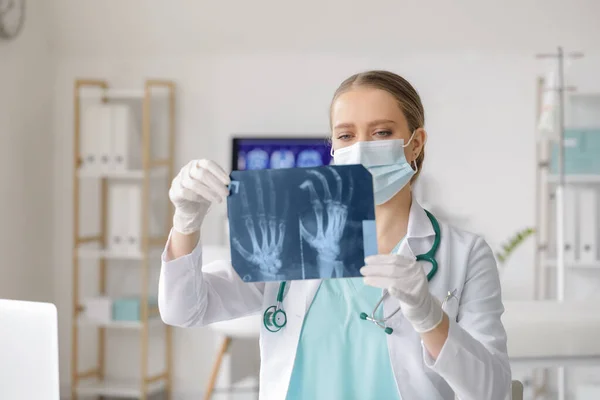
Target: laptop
28, 351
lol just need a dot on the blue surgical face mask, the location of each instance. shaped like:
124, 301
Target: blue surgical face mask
386, 162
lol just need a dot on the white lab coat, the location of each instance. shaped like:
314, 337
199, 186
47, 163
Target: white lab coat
473, 363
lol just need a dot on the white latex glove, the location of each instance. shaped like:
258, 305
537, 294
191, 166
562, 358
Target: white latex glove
406, 280
198, 184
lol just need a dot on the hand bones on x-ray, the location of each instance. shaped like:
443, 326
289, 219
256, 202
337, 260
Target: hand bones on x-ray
267, 241
329, 230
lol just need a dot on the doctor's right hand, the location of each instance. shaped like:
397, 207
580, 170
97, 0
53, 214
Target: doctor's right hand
198, 184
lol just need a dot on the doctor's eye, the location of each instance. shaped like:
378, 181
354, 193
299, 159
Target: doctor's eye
383, 134
344, 136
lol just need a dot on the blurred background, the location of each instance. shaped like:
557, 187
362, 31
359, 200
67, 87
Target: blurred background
209, 72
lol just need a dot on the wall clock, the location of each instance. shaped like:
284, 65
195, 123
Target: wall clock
12, 18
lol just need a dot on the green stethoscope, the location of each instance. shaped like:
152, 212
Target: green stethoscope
275, 318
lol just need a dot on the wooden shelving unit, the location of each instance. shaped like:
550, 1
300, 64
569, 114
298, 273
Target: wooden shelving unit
94, 247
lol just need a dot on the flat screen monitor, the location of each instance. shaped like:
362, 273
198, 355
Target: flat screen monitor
279, 152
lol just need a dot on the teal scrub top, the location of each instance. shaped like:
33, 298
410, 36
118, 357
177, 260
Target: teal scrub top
339, 355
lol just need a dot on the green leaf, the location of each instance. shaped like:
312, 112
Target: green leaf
513, 243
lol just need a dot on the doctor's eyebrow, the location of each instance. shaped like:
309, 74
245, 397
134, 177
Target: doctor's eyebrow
381, 122
349, 125
344, 125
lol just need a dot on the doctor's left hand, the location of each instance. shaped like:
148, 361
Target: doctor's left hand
406, 280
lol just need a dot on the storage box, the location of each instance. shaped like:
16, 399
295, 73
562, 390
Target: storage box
129, 308
581, 152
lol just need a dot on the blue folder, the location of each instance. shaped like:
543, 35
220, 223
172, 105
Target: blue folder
301, 223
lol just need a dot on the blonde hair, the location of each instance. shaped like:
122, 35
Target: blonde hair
405, 94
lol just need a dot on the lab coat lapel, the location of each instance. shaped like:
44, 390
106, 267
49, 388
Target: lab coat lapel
310, 289
300, 289
419, 225
419, 234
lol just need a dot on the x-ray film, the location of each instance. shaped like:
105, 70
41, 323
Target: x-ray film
301, 223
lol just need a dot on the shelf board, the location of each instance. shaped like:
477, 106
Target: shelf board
153, 321
117, 388
133, 174
575, 264
575, 179
585, 94
96, 254
118, 94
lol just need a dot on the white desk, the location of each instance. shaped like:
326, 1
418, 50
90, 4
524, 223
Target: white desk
550, 334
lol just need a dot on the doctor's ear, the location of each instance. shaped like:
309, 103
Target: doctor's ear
418, 145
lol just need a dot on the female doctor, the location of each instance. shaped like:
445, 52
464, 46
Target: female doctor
447, 339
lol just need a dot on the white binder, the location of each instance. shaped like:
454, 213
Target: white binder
134, 218
118, 210
126, 139
571, 223
95, 145
89, 123
588, 220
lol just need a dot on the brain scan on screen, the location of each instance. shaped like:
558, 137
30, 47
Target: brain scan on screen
309, 158
257, 159
282, 159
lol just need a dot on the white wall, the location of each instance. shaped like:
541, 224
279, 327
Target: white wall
141, 28
26, 182
273, 68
